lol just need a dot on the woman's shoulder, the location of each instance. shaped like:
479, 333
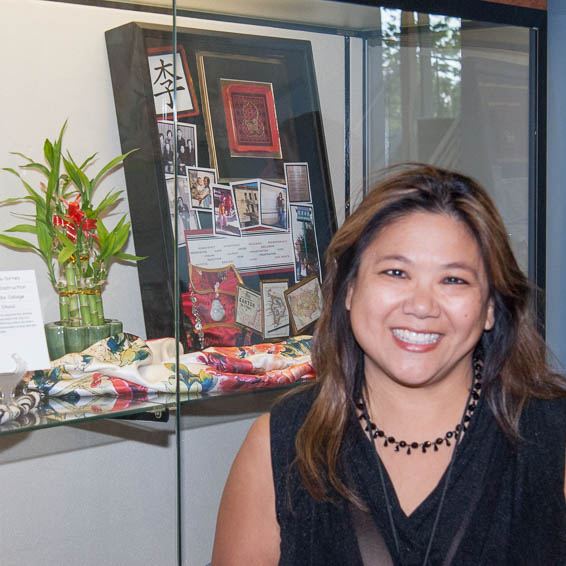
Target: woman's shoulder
287, 417
544, 412
543, 424
293, 407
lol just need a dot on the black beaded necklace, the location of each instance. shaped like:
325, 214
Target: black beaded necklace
445, 440
473, 397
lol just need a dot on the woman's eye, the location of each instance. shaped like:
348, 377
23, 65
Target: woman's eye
395, 272
455, 281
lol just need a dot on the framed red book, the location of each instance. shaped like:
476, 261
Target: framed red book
251, 119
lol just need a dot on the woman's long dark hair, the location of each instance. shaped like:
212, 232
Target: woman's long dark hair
514, 354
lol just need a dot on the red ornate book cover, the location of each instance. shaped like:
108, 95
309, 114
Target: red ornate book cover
251, 120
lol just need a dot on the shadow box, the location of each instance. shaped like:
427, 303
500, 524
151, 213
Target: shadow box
230, 173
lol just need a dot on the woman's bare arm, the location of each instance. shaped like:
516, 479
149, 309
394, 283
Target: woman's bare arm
247, 532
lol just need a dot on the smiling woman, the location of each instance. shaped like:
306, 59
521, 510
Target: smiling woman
426, 334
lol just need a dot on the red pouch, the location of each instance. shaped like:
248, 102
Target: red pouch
210, 308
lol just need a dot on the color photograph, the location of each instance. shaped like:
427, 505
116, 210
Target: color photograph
304, 242
200, 185
225, 217
246, 195
273, 205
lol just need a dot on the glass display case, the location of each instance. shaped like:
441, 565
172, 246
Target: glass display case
290, 111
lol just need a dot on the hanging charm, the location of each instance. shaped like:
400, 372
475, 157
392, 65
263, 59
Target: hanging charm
217, 312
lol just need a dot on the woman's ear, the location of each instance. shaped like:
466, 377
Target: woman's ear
349, 293
490, 317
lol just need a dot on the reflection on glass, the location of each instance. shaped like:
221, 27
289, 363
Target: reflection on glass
454, 93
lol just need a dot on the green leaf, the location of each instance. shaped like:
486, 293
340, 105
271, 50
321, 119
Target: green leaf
73, 173
65, 240
48, 152
53, 179
22, 228
107, 202
129, 257
65, 254
39, 166
22, 156
84, 185
16, 242
36, 197
44, 237
103, 237
87, 161
11, 200
110, 165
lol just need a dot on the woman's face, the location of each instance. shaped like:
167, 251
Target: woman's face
420, 301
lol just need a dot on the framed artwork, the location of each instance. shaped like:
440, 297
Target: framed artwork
304, 302
254, 114
274, 308
248, 309
160, 61
251, 119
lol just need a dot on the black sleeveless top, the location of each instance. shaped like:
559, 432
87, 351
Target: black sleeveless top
504, 504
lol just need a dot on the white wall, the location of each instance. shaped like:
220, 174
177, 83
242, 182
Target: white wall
105, 493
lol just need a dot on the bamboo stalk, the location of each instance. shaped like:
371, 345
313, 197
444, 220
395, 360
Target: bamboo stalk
71, 277
92, 304
63, 301
99, 305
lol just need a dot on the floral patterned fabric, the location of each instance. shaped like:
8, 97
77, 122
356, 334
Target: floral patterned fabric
127, 366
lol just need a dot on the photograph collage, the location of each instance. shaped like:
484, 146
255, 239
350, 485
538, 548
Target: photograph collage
241, 188
242, 209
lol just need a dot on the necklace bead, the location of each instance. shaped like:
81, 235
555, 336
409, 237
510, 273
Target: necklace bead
372, 429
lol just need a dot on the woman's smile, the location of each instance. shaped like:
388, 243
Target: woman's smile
416, 341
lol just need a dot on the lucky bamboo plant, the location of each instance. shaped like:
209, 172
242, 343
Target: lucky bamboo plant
69, 230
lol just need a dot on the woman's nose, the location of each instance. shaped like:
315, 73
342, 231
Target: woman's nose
422, 302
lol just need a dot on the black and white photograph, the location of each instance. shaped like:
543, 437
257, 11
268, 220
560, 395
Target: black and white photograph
246, 196
200, 185
225, 216
273, 205
186, 145
186, 221
298, 183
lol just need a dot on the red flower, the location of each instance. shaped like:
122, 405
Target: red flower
74, 220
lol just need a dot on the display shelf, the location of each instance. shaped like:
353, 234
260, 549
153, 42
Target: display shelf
218, 406
53, 411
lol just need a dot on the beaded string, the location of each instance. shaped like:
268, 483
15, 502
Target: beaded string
445, 440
